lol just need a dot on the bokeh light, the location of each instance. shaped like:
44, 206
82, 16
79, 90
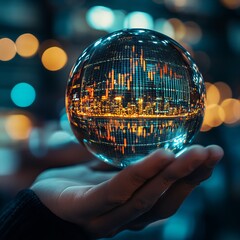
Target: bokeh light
231, 108
35, 142
175, 3
164, 26
220, 106
23, 94
179, 28
59, 138
212, 94
119, 17
54, 58
27, 45
101, 18
185, 6
18, 126
7, 49
214, 116
232, 4
224, 90
9, 161
139, 20
193, 32
4, 138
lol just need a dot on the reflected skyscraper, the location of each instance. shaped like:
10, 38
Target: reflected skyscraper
133, 91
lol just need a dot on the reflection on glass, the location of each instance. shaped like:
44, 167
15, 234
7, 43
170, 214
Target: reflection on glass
133, 91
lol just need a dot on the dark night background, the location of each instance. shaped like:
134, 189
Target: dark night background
33, 77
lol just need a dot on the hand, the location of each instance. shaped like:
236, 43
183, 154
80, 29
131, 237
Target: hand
106, 203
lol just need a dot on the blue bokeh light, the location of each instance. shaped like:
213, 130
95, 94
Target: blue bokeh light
164, 26
8, 161
139, 20
100, 18
59, 138
23, 94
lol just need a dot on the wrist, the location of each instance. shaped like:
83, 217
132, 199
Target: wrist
27, 218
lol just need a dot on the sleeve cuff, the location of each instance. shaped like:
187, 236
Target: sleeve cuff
27, 218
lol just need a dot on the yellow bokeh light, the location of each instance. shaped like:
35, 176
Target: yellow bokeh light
48, 44
18, 126
224, 90
27, 45
7, 49
214, 115
212, 94
54, 58
231, 108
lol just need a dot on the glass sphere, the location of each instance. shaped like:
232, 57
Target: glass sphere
133, 91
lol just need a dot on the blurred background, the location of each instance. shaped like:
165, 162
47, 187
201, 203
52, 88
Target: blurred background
39, 43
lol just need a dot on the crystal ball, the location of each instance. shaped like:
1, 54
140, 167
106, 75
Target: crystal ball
133, 91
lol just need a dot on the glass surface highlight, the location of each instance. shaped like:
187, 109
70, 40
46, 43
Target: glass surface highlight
133, 91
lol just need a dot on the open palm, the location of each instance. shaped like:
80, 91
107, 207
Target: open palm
107, 202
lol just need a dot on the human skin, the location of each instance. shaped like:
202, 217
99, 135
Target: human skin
108, 202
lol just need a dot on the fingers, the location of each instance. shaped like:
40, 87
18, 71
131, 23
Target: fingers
185, 163
97, 165
79, 173
120, 188
70, 172
146, 196
216, 153
172, 199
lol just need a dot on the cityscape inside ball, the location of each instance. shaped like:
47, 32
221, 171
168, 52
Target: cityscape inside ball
133, 91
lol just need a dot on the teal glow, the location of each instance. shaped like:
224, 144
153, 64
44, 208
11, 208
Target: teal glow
178, 227
9, 161
163, 26
58, 139
139, 20
101, 18
215, 186
23, 94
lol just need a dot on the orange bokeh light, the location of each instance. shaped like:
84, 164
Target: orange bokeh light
27, 45
231, 108
7, 49
18, 126
54, 58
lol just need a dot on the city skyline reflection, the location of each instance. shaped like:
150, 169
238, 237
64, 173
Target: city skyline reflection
132, 92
